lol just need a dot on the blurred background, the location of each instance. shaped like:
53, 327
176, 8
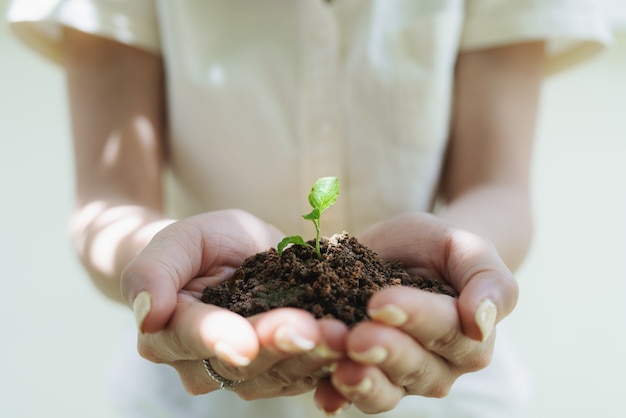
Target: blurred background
58, 332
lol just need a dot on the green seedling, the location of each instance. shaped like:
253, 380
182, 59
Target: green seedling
323, 195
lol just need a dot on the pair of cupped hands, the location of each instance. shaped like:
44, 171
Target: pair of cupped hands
415, 342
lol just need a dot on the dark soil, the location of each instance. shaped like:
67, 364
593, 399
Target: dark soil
339, 285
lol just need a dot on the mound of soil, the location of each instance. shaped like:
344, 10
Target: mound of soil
338, 285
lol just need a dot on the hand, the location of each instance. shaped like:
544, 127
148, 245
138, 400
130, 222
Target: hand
276, 353
419, 343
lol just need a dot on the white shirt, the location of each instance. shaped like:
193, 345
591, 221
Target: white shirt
265, 96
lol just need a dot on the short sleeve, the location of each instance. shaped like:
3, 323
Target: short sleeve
574, 30
38, 22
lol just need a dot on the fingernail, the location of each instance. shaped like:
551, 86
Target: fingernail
486, 317
290, 341
322, 350
374, 355
141, 308
362, 388
332, 367
390, 315
226, 353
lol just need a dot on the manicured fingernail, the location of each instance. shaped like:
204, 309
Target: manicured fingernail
141, 308
229, 355
290, 341
322, 350
362, 388
486, 317
374, 355
390, 315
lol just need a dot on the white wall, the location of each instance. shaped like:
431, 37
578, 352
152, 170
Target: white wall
58, 332
617, 11
571, 320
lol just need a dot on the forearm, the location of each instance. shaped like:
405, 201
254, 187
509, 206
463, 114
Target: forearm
107, 238
486, 181
116, 95
499, 214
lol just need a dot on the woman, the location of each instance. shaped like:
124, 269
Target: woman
424, 110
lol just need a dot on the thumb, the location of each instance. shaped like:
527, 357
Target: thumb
150, 283
209, 245
152, 305
484, 302
488, 289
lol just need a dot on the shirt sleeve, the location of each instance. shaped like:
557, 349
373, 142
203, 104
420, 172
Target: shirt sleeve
38, 23
574, 30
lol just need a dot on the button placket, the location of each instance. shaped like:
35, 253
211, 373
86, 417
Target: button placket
320, 140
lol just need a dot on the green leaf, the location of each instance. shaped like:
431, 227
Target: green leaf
323, 194
294, 239
313, 216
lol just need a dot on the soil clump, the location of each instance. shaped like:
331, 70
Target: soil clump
338, 285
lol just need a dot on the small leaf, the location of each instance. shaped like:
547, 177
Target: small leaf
324, 193
313, 216
294, 239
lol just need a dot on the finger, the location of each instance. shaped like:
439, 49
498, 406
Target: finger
293, 376
488, 290
328, 399
484, 302
292, 330
209, 245
195, 378
366, 387
281, 333
431, 319
198, 331
150, 284
404, 362
293, 344
287, 330
152, 280
413, 311
279, 373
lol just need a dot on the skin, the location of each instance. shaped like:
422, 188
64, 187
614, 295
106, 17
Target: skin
117, 101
